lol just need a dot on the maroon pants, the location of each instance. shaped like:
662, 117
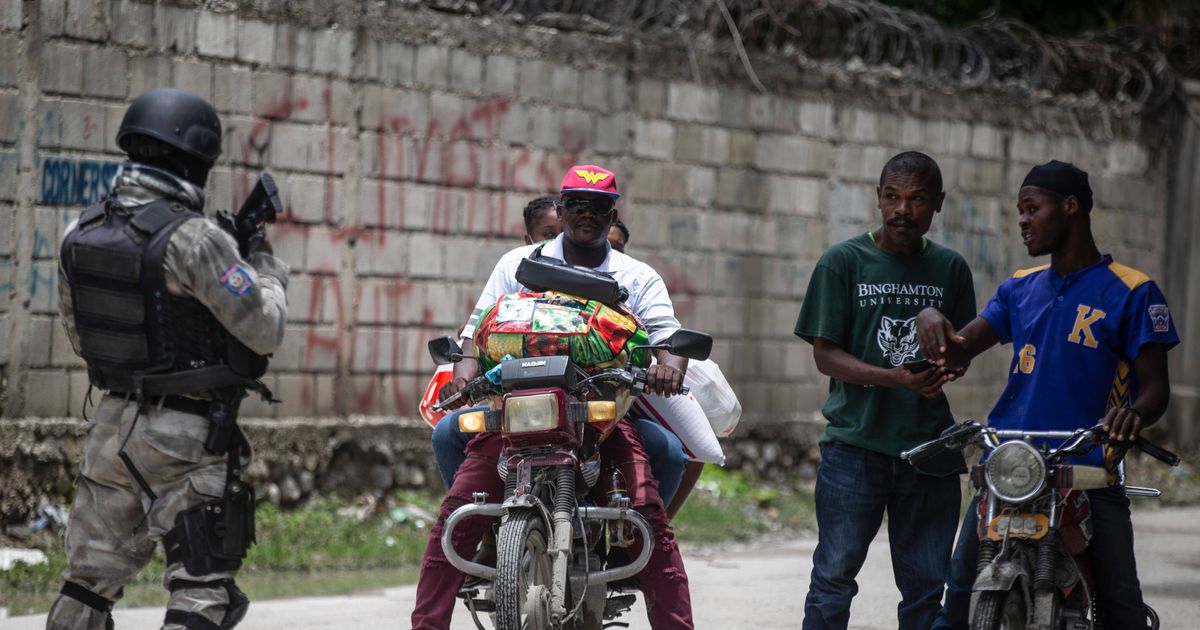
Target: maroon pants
664, 581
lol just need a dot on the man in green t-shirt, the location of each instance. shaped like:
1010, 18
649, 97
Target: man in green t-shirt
859, 314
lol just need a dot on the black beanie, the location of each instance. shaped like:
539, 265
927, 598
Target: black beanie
1063, 178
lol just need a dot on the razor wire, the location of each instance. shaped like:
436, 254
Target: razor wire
1119, 67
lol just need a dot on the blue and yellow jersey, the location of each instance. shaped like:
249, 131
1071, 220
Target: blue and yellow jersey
1074, 341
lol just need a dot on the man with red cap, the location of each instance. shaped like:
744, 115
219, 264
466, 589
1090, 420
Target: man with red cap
588, 209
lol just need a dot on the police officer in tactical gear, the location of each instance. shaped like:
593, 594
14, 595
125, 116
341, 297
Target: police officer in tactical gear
173, 323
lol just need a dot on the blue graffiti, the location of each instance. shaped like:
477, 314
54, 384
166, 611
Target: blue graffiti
41, 245
47, 277
76, 182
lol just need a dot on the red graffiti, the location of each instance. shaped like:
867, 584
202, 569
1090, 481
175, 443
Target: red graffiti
679, 285
464, 184
89, 127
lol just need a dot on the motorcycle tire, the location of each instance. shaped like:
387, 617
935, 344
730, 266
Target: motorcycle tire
1000, 610
524, 572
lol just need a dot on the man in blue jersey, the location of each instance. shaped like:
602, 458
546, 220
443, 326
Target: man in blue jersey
1090, 339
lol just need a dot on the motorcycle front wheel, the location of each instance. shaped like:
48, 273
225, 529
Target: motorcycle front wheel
523, 573
1000, 610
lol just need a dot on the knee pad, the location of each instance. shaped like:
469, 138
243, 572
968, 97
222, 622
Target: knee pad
213, 537
235, 610
89, 599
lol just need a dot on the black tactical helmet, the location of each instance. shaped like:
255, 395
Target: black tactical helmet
175, 117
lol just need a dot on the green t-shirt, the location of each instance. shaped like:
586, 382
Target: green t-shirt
866, 300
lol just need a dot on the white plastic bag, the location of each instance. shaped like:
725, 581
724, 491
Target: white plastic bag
710, 409
716, 397
683, 416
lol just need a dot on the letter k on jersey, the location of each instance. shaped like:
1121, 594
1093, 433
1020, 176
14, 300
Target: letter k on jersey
1084, 318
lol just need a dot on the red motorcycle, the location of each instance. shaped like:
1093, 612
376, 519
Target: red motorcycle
1035, 522
555, 566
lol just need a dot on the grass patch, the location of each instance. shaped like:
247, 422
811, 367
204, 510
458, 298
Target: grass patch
726, 505
325, 547
324, 535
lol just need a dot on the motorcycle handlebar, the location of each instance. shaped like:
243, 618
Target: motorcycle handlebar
442, 405
1156, 451
1094, 435
634, 377
1077, 441
478, 388
1097, 433
954, 438
473, 392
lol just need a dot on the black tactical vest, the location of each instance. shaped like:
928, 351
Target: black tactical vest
136, 337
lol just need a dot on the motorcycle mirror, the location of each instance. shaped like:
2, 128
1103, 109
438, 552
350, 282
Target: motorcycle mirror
445, 350
692, 344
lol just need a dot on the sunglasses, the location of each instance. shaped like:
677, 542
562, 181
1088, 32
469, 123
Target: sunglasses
597, 207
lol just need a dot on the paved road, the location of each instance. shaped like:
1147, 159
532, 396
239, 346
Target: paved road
759, 587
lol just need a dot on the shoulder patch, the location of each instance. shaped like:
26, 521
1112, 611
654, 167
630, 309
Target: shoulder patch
1160, 317
237, 280
1130, 276
1021, 273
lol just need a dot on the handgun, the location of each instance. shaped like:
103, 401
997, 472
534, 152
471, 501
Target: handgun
261, 207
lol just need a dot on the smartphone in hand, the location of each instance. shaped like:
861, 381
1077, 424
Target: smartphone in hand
917, 366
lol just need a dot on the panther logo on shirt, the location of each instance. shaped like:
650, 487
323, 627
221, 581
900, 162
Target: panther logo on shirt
898, 339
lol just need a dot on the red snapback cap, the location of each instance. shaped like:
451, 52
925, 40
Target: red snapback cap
589, 178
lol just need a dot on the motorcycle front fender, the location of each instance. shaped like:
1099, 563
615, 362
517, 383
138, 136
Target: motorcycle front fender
528, 502
1000, 575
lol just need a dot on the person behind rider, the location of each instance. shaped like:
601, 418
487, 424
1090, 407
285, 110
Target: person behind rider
589, 194
667, 457
618, 235
1077, 326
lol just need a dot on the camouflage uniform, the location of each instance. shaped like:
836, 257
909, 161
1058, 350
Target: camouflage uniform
114, 524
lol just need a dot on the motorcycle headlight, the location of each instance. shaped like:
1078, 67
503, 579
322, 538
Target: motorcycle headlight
530, 413
1015, 472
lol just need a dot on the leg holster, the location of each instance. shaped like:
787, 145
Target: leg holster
234, 611
213, 536
89, 599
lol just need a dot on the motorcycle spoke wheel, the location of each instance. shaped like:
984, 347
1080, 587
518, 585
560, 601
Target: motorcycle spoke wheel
1000, 610
523, 574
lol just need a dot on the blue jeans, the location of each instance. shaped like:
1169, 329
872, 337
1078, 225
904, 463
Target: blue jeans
1118, 593
959, 582
450, 444
667, 457
854, 488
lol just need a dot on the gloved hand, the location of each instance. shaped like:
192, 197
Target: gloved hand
257, 242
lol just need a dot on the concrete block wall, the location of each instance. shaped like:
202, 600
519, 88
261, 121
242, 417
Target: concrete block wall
405, 162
